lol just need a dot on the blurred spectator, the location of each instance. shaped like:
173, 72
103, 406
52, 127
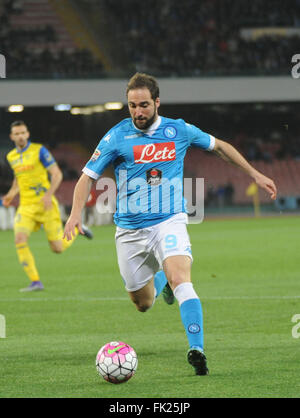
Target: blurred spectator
228, 193
221, 196
210, 199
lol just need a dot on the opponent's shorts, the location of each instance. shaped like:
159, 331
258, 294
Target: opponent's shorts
141, 252
29, 218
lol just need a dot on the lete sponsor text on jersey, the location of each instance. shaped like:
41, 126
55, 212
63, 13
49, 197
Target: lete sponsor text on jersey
149, 153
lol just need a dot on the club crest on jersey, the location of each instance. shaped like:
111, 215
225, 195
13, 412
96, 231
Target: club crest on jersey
153, 176
170, 132
153, 153
96, 155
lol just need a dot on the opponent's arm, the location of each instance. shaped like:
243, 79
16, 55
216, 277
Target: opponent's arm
230, 154
56, 178
81, 194
10, 195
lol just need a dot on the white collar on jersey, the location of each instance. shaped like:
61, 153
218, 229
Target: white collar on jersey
151, 130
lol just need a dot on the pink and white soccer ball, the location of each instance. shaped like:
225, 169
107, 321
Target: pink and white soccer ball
116, 362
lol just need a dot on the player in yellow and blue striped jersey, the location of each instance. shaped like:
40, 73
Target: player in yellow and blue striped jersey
32, 165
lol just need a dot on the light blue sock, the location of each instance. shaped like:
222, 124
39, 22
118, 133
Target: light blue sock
160, 280
192, 319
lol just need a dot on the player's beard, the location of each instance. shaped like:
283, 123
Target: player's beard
144, 123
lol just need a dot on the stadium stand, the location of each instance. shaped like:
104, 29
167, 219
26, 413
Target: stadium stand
38, 15
72, 157
219, 37
218, 175
195, 38
36, 43
80, 30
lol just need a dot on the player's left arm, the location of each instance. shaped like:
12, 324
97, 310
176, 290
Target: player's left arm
230, 154
56, 177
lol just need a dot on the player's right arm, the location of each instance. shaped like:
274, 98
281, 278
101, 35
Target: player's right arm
80, 197
10, 195
103, 155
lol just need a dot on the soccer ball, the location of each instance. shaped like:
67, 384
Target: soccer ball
116, 362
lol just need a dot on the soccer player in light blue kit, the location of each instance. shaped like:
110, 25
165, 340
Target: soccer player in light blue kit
153, 247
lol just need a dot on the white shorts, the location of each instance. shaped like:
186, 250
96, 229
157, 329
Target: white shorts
141, 252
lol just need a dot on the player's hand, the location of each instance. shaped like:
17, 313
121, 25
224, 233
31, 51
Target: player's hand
6, 200
267, 184
47, 201
70, 227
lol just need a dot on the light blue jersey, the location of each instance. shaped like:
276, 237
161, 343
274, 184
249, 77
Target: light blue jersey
148, 168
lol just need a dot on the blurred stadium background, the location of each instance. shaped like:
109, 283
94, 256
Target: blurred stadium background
224, 65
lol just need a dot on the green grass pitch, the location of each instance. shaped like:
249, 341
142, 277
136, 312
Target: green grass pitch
246, 273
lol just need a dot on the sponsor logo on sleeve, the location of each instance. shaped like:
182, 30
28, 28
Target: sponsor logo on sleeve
96, 155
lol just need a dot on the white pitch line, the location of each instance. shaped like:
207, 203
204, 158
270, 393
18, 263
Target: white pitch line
107, 299
64, 299
250, 297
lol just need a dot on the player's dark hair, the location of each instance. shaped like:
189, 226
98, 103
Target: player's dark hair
18, 123
140, 81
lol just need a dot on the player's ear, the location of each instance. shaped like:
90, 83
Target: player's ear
157, 102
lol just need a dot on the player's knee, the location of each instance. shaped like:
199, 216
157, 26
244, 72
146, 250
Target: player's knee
176, 279
142, 306
178, 270
56, 249
21, 239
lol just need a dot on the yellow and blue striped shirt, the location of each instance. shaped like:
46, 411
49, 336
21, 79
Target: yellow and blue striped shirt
30, 169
